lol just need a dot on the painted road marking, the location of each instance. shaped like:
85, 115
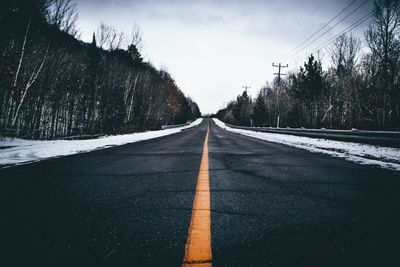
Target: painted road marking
198, 245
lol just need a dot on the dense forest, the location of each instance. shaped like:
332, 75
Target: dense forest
53, 85
358, 90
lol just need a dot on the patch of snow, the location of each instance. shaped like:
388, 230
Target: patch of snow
14, 151
385, 157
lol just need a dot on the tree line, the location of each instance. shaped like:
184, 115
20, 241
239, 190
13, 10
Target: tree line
358, 90
53, 85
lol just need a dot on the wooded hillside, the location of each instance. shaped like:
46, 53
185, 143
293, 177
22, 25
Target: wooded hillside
53, 85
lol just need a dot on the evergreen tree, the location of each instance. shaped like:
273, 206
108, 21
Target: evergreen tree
242, 110
310, 88
134, 54
260, 111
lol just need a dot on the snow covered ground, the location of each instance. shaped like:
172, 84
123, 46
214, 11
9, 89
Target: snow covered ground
16, 151
385, 157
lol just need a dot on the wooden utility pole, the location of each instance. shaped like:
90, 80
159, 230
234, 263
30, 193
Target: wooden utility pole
279, 66
245, 87
279, 74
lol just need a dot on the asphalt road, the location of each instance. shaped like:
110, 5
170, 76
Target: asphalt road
271, 205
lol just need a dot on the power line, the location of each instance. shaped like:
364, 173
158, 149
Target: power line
348, 29
321, 35
320, 29
336, 24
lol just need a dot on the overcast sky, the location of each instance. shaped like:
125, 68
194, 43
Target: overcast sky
213, 48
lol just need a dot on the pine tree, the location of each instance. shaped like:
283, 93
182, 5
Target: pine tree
134, 54
260, 111
310, 87
242, 110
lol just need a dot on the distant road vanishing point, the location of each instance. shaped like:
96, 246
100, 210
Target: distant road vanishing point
201, 197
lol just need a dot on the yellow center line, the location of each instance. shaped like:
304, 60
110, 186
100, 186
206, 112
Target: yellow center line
198, 245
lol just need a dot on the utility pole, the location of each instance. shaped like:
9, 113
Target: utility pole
245, 87
279, 66
279, 74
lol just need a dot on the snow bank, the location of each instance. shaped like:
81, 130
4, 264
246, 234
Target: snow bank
385, 157
16, 151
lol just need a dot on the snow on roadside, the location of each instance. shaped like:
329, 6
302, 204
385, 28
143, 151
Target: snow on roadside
385, 157
16, 151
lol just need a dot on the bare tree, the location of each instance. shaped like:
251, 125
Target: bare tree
383, 41
344, 53
63, 14
116, 40
136, 38
103, 34
343, 97
33, 77
109, 37
22, 53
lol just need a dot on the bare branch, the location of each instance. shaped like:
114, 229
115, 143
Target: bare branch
22, 53
63, 14
136, 38
109, 37
31, 80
